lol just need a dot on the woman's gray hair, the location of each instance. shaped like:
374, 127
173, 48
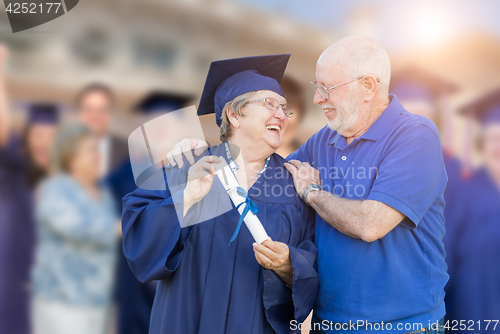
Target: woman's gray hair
236, 104
65, 146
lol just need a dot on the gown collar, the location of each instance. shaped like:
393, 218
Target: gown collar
234, 166
274, 185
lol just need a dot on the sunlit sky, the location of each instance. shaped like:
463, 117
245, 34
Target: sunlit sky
397, 25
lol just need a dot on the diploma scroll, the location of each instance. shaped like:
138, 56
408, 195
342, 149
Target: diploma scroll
230, 183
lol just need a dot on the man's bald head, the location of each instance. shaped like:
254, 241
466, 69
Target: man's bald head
352, 57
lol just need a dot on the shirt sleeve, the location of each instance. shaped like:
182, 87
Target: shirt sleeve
411, 175
282, 303
63, 217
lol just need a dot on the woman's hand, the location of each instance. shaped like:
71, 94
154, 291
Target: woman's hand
275, 255
200, 179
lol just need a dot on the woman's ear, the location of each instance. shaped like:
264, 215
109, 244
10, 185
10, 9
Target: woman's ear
233, 117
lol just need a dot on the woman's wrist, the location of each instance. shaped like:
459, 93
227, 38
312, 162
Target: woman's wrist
285, 272
188, 203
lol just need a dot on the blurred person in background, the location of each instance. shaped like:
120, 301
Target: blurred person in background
473, 231
95, 105
426, 94
135, 299
24, 162
294, 94
77, 236
38, 138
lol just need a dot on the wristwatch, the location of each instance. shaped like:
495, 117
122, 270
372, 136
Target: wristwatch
309, 188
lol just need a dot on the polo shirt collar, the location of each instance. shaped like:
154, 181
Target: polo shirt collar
385, 121
379, 127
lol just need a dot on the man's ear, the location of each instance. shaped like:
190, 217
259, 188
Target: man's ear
232, 117
369, 87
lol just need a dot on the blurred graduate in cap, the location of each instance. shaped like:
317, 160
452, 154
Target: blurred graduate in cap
426, 94
160, 102
38, 138
294, 94
135, 299
212, 277
473, 228
24, 162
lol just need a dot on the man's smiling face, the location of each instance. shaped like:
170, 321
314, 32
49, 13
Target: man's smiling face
342, 106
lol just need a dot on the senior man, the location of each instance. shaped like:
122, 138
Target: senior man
375, 176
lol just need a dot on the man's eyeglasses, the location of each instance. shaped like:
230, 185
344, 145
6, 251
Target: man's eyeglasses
325, 92
272, 104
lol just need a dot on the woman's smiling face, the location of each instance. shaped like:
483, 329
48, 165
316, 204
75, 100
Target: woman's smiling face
262, 125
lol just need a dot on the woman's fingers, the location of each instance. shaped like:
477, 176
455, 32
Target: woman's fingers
277, 252
199, 174
205, 163
263, 260
266, 251
276, 246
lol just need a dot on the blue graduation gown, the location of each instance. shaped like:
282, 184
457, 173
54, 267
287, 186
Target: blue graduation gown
16, 240
206, 286
473, 251
134, 298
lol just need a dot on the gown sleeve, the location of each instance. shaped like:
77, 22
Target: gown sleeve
153, 240
456, 214
282, 303
10, 154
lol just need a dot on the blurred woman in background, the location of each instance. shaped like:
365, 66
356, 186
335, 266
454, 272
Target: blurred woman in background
77, 235
37, 140
24, 161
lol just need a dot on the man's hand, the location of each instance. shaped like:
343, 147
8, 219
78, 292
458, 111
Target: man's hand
184, 147
303, 175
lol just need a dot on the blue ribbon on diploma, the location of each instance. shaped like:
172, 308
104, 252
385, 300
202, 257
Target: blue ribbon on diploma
250, 206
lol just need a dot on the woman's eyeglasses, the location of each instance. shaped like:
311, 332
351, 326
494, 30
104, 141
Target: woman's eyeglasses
272, 104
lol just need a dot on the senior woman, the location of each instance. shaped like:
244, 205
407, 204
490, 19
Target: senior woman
208, 284
77, 241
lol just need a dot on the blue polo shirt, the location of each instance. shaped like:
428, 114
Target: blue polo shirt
399, 278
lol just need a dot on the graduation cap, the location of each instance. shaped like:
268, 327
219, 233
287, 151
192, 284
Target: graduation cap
414, 83
43, 113
485, 109
162, 102
230, 78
